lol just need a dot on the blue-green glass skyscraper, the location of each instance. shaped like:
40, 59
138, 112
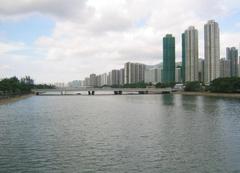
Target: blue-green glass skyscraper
168, 59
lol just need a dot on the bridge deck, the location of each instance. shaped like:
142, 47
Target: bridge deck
103, 89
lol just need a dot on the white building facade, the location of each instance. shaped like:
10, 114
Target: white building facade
133, 73
225, 68
211, 51
191, 50
153, 75
232, 57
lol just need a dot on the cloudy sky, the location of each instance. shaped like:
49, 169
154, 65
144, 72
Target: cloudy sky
64, 40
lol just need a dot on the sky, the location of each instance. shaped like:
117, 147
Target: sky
65, 40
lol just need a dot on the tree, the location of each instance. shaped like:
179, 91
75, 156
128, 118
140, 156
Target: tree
225, 85
160, 85
193, 86
135, 85
13, 86
165, 85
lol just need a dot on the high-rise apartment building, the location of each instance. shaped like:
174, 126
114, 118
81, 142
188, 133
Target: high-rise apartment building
98, 80
133, 73
126, 72
114, 77
232, 56
103, 79
183, 57
201, 70
168, 59
121, 77
211, 50
93, 80
86, 81
75, 84
108, 79
153, 75
225, 68
139, 72
178, 74
191, 54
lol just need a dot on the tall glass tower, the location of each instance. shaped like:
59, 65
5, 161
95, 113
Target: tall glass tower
168, 59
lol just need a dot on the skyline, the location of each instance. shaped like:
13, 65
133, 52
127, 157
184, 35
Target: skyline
83, 37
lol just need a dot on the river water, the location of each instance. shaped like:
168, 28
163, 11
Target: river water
137, 133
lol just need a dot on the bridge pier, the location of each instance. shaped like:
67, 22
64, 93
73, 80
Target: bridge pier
142, 92
166, 92
117, 92
91, 93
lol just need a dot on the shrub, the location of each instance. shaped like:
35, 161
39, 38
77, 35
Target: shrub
193, 86
165, 85
225, 85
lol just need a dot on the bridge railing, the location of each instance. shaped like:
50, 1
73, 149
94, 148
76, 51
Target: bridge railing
101, 89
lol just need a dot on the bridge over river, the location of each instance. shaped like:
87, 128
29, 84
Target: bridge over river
102, 91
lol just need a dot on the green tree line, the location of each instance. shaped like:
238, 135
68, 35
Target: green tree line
219, 85
225, 85
14, 86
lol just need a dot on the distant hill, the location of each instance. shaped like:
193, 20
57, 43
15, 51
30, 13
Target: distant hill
160, 65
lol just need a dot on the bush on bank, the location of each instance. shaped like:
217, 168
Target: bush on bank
165, 85
136, 85
194, 86
225, 85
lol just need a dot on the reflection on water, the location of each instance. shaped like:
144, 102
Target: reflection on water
141, 133
168, 99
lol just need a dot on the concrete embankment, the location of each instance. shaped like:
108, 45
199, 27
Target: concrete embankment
228, 95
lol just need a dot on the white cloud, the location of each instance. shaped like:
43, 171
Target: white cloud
7, 47
60, 9
97, 35
4, 67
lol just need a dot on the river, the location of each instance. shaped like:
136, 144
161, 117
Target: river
128, 133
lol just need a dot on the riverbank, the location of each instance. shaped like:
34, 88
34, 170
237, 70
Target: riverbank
11, 99
228, 95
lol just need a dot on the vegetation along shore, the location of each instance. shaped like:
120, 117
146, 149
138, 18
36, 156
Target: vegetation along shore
13, 89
